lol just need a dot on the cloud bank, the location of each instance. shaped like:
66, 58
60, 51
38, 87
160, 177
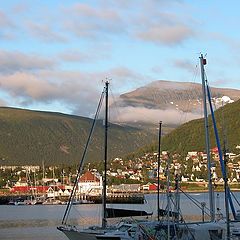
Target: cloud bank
61, 53
141, 114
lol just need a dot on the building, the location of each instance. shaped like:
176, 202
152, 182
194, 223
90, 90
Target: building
90, 184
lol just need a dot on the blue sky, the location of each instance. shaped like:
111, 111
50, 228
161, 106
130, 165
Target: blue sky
55, 54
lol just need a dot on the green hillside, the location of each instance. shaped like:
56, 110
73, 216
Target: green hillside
31, 137
190, 136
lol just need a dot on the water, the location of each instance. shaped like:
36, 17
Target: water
39, 222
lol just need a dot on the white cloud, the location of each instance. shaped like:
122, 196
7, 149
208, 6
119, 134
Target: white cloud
185, 64
91, 21
168, 35
6, 27
45, 32
5, 21
78, 91
11, 62
71, 55
141, 114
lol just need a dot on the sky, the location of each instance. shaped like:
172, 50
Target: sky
55, 55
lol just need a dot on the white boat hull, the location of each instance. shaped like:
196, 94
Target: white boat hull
85, 234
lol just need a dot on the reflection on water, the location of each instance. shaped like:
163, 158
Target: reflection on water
23, 223
39, 222
39, 233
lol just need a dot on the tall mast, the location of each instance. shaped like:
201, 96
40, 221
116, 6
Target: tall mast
223, 160
226, 192
104, 219
177, 197
207, 141
168, 197
226, 187
159, 152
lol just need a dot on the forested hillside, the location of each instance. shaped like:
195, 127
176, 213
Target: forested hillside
31, 137
190, 136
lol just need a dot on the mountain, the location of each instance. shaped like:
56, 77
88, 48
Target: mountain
190, 136
172, 102
185, 96
31, 137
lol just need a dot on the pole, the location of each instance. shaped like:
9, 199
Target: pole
159, 152
104, 219
226, 194
177, 197
168, 198
207, 141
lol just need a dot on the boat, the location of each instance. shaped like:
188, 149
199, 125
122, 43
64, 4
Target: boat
53, 201
171, 227
18, 201
232, 226
163, 230
73, 232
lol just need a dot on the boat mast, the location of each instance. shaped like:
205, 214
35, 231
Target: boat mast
104, 218
207, 141
168, 197
177, 197
223, 161
226, 187
159, 152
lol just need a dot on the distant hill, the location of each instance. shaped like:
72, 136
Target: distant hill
30, 137
191, 137
172, 102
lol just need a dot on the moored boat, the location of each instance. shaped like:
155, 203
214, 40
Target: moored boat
72, 232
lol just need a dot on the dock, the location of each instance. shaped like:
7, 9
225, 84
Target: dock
119, 198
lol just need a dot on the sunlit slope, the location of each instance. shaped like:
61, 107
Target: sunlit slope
31, 137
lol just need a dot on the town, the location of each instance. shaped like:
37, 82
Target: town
137, 175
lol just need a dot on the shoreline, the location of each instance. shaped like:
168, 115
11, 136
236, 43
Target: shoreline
6, 198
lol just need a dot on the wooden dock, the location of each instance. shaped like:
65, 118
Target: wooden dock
119, 198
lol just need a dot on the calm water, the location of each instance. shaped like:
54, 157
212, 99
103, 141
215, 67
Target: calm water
39, 222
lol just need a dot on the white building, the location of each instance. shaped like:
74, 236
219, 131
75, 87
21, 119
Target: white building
89, 183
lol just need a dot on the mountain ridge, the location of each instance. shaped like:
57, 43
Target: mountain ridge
31, 137
184, 91
160, 97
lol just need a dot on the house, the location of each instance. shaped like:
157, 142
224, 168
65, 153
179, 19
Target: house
54, 191
184, 179
153, 187
145, 187
89, 182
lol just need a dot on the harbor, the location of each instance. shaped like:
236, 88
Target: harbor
39, 222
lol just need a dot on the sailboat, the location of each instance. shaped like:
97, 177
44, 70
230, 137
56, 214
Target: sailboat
232, 226
171, 227
72, 232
